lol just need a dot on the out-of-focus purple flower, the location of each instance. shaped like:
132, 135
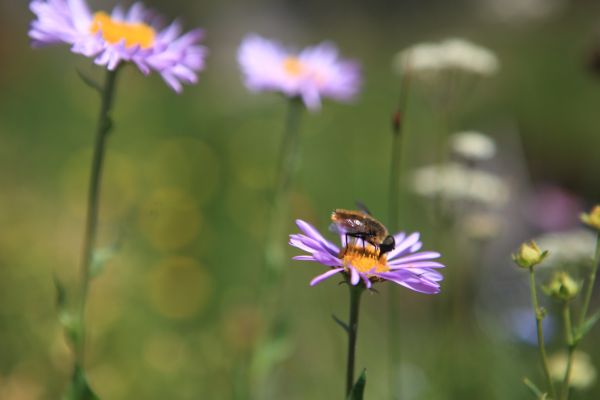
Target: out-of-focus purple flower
310, 74
553, 208
405, 265
122, 36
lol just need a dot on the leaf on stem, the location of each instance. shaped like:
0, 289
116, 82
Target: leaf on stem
587, 325
100, 258
90, 82
358, 389
61, 294
535, 390
79, 389
341, 323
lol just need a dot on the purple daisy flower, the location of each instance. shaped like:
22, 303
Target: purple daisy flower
123, 36
310, 74
404, 265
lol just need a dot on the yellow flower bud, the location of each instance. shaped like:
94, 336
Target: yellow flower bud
529, 254
562, 287
593, 218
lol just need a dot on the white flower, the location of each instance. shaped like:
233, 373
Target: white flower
455, 182
464, 55
473, 145
449, 54
568, 246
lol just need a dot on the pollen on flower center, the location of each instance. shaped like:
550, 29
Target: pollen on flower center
293, 66
134, 34
364, 258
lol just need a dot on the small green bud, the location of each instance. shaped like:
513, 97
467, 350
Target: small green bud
529, 254
562, 287
592, 219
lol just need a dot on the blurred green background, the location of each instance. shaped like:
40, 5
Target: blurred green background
174, 315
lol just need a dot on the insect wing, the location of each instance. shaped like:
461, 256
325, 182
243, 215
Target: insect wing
350, 225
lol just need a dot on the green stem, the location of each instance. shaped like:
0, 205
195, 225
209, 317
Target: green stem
396, 156
590, 285
540, 333
285, 167
89, 241
269, 294
566, 314
572, 344
567, 379
394, 224
355, 292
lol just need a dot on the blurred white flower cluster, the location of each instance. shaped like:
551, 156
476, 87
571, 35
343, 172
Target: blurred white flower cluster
473, 145
455, 182
568, 247
449, 54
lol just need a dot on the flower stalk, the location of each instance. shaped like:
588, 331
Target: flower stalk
566, 314
288, 159
355, 292
93, 201
539, 316
590, 285
394, 220
572, 343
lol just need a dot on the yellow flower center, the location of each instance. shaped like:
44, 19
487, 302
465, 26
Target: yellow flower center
113, 32
293, 66
364, 258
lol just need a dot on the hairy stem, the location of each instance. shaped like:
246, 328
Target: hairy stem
91, 224
394, 224
540, 333
277, 218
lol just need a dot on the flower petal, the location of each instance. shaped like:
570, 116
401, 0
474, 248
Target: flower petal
354, 276
324, 276
418, 264
402, 245
426, 255
312, 232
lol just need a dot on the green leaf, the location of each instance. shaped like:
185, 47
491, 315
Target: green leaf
70, 326
90, 82
100, 258
535, 390
358, 389
79, 389
587, 325
341, 323
61, 294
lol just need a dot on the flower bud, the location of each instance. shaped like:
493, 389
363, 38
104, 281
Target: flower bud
562, 287
592, 219
529, 254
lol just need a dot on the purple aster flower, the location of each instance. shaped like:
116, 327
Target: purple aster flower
404, 265
123, 36
310, 74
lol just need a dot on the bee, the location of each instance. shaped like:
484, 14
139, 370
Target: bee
361, 225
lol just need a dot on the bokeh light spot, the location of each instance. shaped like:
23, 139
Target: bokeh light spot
170, 218
119, 184
179, 287
187, 163
165, 352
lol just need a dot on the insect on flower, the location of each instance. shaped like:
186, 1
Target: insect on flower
361, 225
380, 257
